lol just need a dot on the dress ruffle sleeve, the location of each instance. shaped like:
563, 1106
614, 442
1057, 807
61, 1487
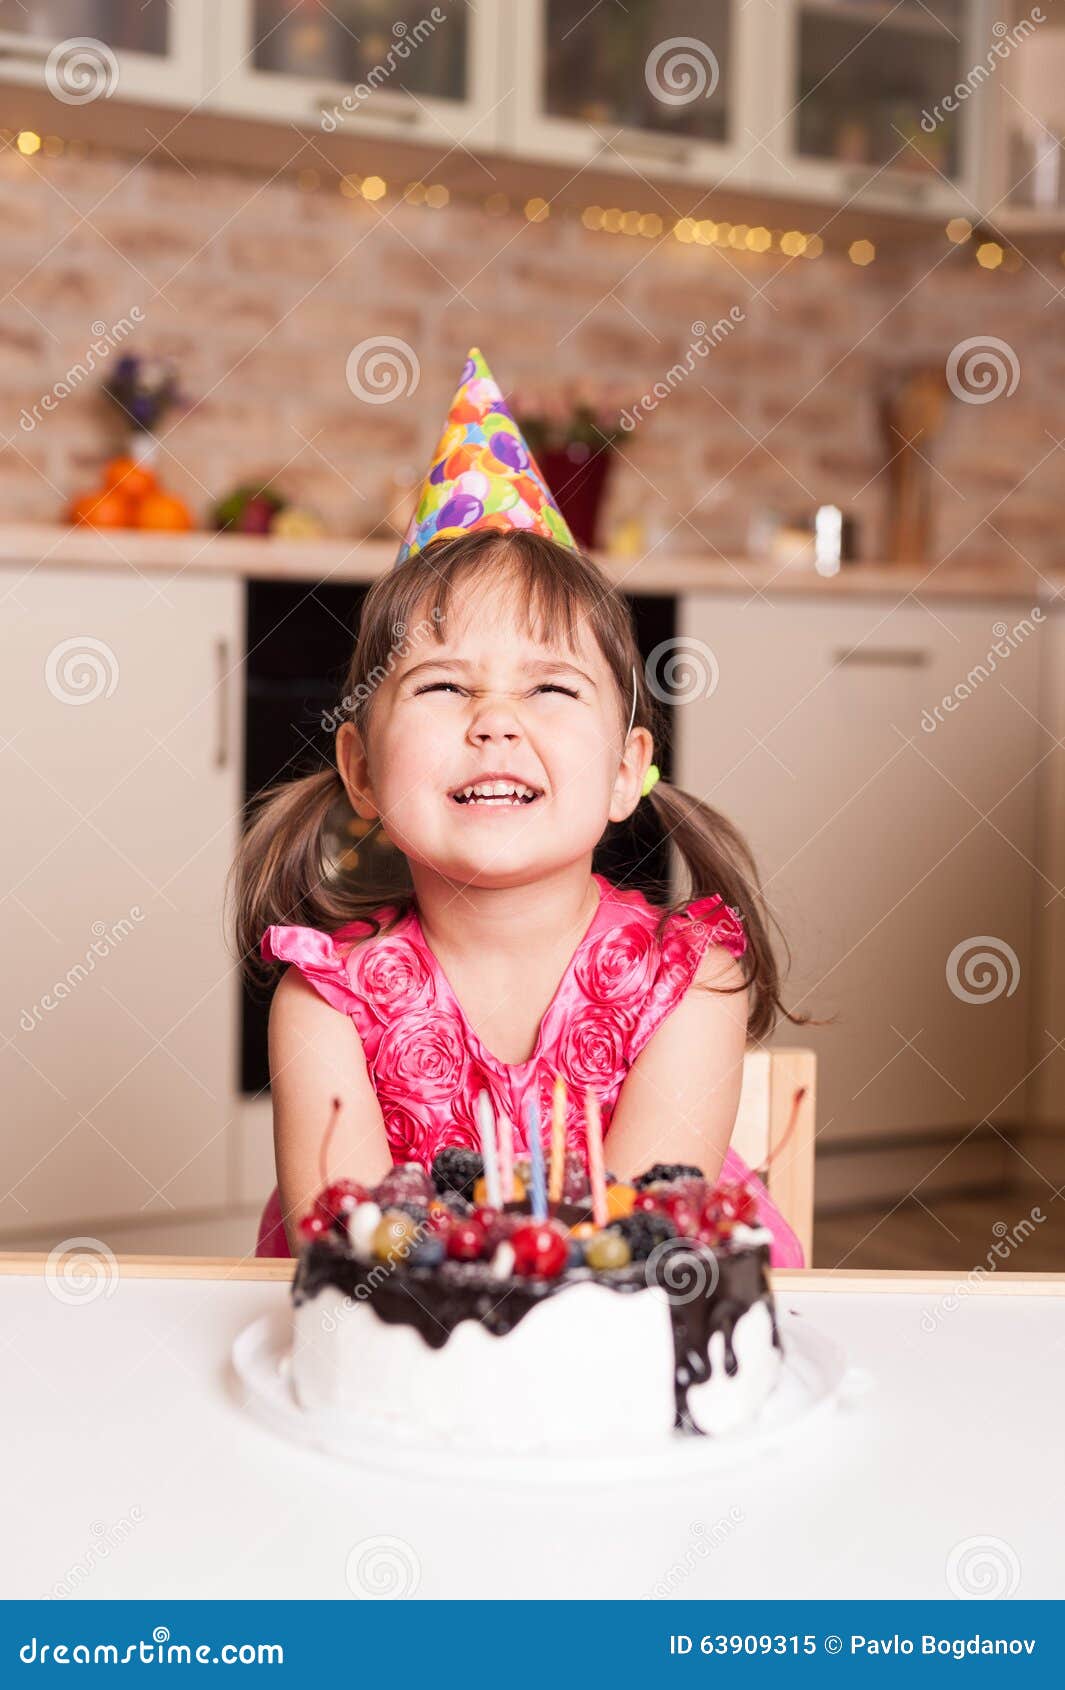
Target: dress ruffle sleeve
316, 956
688, 936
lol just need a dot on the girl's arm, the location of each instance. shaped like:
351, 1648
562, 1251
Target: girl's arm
679, 1099
316, 1055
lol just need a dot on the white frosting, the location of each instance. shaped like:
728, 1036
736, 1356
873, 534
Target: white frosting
588, 1367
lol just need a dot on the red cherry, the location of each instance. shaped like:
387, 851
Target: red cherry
681, 1212
539, 1248
466, 1240
338, 1199
315, 1225
733, 1203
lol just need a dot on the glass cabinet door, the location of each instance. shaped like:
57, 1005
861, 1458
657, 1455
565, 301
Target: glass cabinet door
657, 66
366, 43
373, 66
148, 49
871, 110
1029, 170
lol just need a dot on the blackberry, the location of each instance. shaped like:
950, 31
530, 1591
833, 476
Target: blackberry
667, 1171
643, 1231
456, 1169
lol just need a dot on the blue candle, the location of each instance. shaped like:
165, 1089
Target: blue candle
536, 1157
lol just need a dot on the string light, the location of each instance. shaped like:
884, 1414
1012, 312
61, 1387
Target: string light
647, 225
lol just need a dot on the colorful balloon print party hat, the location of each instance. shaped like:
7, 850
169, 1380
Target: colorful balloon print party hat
483, 474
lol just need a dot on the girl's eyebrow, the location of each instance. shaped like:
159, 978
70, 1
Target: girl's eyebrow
534, 666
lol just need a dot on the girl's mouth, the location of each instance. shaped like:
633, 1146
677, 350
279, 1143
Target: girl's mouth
497, 794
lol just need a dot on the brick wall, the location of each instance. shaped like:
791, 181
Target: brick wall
260, 289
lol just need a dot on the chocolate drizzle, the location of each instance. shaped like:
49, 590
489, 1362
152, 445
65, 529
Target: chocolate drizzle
708, 1291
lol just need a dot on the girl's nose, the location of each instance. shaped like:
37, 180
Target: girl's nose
494, 718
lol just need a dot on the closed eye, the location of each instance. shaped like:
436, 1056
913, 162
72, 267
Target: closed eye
450, 686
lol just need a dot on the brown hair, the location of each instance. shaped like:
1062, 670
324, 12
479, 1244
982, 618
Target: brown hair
282, 874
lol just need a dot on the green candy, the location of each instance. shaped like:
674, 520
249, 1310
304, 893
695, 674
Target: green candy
607, 1250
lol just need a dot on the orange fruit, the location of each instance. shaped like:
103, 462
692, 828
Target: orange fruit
105, 508
129, 477
620, 1200
163, 510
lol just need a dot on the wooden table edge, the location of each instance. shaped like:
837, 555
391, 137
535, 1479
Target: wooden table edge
32, 1264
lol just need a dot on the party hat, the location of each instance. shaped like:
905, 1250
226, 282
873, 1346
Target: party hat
483, 474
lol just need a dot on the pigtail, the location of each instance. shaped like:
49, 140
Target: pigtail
282, 874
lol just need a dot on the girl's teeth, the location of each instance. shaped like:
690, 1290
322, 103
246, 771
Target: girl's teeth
496, 792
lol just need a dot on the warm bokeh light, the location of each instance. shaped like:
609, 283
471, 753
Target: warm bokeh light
759, 240
989, 256
592, 217
861, 252
793, 243
28, 142
958, 230
437, 195
537, 210
375, 188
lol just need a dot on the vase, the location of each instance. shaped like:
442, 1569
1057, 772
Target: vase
577, 476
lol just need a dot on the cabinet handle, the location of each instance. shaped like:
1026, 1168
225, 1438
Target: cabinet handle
880, 657
630, 143
222, 666
883, 188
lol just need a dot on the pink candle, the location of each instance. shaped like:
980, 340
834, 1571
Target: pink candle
558, 1140
596, 1169
505, 1148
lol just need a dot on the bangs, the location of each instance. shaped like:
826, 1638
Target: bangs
557, 596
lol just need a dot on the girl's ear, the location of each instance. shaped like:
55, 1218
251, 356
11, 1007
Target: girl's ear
628, 783
354, 771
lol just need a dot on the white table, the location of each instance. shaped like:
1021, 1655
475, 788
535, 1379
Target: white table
134, 1471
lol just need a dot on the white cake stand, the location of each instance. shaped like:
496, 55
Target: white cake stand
814, 1376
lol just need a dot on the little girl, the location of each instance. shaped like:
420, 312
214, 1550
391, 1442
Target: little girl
496, 720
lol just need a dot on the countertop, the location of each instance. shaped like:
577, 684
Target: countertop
657, 571
134, 1470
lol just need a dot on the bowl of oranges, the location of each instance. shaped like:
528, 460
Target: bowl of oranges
129, 496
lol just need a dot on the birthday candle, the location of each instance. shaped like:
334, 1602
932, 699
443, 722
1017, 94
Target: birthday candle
536, 1159
558, 1139
596, 1170
486, 1123
506, 1160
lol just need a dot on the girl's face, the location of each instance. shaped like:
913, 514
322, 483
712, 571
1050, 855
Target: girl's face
492, 705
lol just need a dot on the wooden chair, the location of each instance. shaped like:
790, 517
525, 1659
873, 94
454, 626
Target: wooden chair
771, 1079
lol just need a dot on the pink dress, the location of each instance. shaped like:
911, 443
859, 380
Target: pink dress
427, 1065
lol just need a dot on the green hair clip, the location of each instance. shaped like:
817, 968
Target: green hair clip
650, 778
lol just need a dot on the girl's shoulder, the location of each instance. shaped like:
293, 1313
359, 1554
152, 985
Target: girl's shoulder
338, 963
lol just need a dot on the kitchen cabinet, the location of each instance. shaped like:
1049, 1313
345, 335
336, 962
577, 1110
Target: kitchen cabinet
123, 794
83, 50
362, 67
895, 838
1027, 98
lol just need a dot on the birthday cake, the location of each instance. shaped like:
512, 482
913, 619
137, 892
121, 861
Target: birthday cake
628, 1318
